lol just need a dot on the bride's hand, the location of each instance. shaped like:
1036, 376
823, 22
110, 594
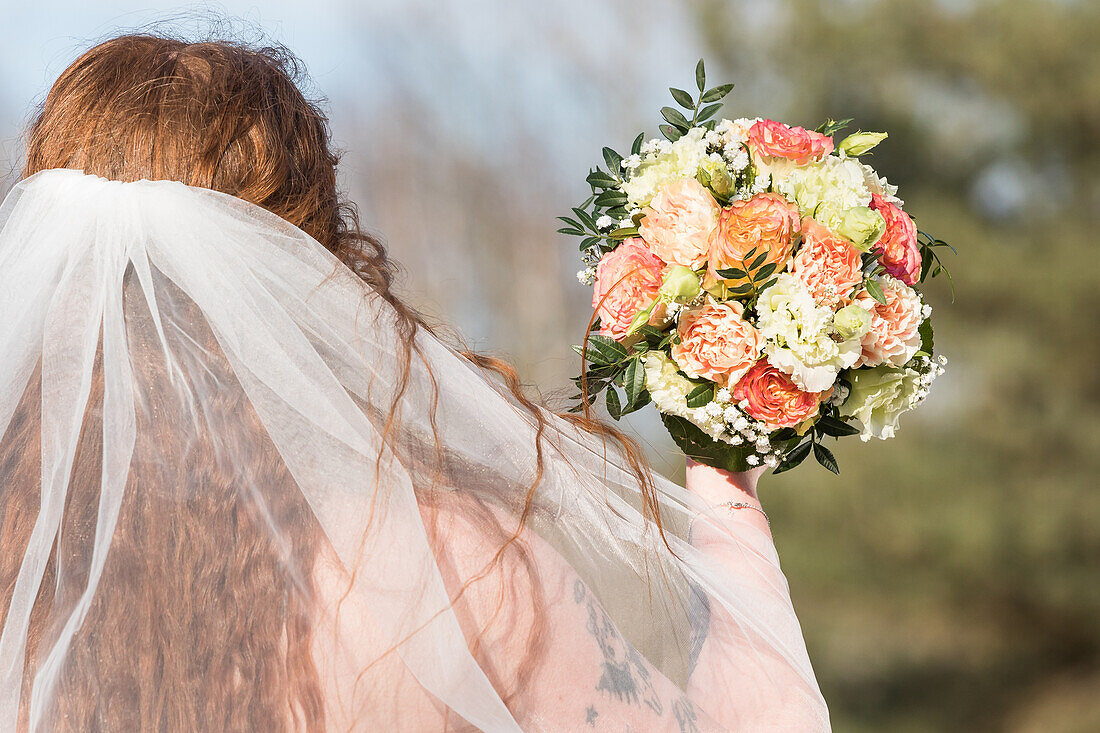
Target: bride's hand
716, 486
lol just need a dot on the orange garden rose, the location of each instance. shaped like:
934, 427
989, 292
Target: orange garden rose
716, 343
629, 276
900, 252
827, 264
679, 222
773, 398
766, 222
776, 140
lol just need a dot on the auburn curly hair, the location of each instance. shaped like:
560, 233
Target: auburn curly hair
203, 575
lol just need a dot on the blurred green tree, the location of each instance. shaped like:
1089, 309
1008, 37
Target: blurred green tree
949, 579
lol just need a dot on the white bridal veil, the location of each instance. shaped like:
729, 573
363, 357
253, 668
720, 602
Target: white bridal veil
148, 329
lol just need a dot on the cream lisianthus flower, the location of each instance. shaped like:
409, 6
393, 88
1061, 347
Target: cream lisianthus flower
836, 182
800, 335
878, 398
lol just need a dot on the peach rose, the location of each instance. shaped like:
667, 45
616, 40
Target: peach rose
900, 252
776, 140
679, 221
766, 222
716, 343
827, 264
893, 337
627, 280
773, 398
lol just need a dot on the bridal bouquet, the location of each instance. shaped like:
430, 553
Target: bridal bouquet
756, 282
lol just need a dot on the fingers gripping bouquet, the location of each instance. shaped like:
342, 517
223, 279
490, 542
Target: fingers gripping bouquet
755, 282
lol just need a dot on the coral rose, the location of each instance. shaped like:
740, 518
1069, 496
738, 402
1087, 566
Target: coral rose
627, 280
827, 264
679, 221
767, 223
716, 343
776, 140
773, 398
893, 337
898, 244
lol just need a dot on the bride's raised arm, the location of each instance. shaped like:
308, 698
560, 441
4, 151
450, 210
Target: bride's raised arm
560, 660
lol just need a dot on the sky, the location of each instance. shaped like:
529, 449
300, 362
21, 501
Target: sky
486, 66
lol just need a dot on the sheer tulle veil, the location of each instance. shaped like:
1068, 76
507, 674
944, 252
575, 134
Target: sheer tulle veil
204, 318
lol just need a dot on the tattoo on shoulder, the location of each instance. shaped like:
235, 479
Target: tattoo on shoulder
699, 617
590, 715
623, 671
685, 715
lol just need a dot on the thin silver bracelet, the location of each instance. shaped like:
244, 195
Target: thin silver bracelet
744, 505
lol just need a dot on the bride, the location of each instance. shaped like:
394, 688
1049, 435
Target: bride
244, 487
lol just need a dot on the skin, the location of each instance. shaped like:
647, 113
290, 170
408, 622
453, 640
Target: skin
588, 677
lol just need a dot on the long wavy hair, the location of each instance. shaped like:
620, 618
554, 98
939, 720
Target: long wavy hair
202, 576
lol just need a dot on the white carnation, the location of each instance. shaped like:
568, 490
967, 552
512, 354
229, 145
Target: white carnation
669, 390
800, 337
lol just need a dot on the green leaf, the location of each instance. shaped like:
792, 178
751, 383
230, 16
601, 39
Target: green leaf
926, 263
926, 336
586, 218
571, 222
875, 291
701, 447
795, 457
713, 95
830, 425
633, 380
825, 457
599, 179
605, 350
831, 127
614, 161
670, 133
682, 98
674, 118
636, 148
624, 233
589, 241
766, 270
701, 395
758, 261
571, 232
732, 273
641, 401
707, 112
700, 75
610, 197
614, 407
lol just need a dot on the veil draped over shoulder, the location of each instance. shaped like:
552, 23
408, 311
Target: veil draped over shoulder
170, 352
